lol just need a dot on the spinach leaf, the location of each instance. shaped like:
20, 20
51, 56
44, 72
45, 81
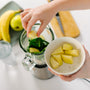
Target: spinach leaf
37, 43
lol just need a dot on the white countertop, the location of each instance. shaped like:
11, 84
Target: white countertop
16, 78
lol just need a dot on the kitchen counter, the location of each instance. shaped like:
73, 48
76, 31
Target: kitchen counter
16, 78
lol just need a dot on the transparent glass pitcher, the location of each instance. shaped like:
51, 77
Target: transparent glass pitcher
35, 62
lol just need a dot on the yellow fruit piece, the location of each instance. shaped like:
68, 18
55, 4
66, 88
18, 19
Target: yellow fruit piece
58, 51
32, 50
67, 59
41, 36
67, 46
58, 58
32, 35
73, 52
54, 63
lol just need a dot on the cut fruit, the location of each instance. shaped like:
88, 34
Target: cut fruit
58, 51
73, 52
67, 59
69, 25
32, 34
54, 63
67, 46
41, 36
58, 58
32, 50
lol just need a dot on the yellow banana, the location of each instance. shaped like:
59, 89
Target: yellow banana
0, 32
5, 20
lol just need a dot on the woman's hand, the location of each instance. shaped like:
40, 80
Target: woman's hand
84, 72
43, 13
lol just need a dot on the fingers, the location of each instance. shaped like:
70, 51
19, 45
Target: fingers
52, 72
27, 9
30, 24
24, 13
67, 78
87, 54
25, 20
41, 28
72, 77
27, 17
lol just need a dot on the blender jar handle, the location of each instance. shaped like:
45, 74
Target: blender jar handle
28, 63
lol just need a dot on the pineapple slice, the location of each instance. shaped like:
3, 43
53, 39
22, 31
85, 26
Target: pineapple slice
58, 58
67, 46
32, 50
67, 59
54, 63
73, 52
58, 51
41, 36
32, 35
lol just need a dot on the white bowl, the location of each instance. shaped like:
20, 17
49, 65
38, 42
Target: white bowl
55, 44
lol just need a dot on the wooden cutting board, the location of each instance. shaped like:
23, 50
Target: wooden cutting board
56, 27
69, 26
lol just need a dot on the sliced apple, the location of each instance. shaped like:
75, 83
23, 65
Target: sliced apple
58, 58
67, 59
32, 50
73, 52
58, 51
67, 46
54, 63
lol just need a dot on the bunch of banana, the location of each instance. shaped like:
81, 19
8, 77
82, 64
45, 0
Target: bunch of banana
4, 24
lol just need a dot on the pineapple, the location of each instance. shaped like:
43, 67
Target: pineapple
73, 52
41, 36
58, 51
58, 59
67, 46
54, 63
67, 59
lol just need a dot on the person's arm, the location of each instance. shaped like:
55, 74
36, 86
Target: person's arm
46, 12
84, 72
63, 5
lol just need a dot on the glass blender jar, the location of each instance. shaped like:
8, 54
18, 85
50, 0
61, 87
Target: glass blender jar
35, 62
